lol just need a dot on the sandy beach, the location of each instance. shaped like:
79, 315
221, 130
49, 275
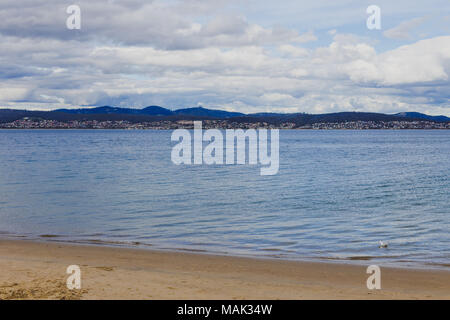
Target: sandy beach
37, 270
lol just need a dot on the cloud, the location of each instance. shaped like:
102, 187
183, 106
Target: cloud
277, 97
403, 30
426, 61
164, 25
342, 76
182, 53
12, 93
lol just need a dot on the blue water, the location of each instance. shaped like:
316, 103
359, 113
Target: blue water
336, 195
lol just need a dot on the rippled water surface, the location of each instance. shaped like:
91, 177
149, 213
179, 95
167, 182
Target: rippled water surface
336, 195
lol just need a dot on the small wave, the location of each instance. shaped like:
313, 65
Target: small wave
190, 250
438, 264
360, 258
272, 249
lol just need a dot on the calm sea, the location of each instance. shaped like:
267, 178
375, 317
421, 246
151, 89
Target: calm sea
336, 195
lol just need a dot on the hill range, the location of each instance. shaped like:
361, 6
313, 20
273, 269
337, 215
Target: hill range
157, 113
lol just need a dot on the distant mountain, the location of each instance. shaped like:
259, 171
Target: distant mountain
200, 112
272, 114
152, 110
417, 115
156, 113
10, 115
203, 112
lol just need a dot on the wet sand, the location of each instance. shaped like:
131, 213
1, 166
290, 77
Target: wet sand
37, 270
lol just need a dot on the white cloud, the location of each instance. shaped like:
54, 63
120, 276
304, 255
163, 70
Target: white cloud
293, 51
403, 30
165, 25
277, 97
181, 53
12, 93
421, 62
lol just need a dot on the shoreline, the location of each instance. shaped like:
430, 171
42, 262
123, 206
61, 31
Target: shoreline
352, 260
220, 128
36, 270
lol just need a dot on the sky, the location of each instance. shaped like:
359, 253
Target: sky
247, 55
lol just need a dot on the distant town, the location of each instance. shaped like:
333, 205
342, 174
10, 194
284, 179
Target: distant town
159, 118
27, 123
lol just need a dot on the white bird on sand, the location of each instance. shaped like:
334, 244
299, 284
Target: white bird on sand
383, 244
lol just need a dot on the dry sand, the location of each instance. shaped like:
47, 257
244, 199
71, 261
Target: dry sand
37, 270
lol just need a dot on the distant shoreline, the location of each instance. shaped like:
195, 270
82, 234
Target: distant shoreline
297, 129
225, 124
155, 117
